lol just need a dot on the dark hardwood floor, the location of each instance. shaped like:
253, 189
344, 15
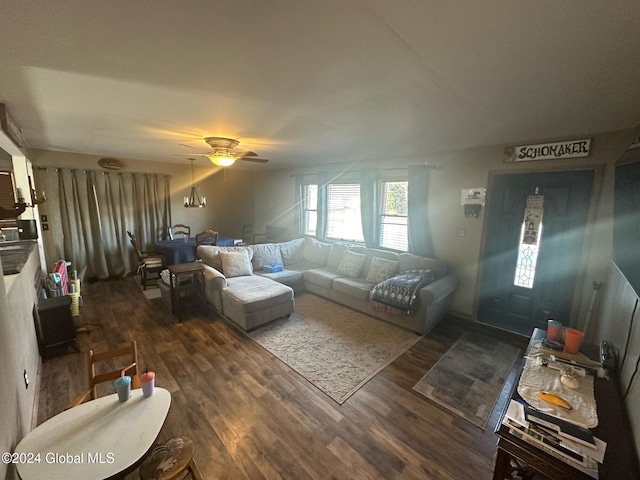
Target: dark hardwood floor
250, 416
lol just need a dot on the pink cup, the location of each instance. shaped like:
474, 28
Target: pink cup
554, 329
148, 380
572, 340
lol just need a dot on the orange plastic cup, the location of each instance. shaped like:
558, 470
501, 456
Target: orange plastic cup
572, 340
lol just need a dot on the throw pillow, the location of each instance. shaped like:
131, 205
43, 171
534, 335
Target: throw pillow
381, 269
236, 264
352, 264
210, 254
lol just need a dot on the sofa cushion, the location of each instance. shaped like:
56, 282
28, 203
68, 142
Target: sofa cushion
409, 261
293, 251
322, 277
337, 249
352, 264
255, 293
210, 254
236, 264
265, 254
303, 266
357, 288
316, 252
380, 269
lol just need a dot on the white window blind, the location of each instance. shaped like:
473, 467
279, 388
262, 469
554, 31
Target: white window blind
344, 221
394, 229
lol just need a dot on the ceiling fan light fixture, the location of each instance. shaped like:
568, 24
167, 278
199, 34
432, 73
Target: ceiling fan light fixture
222, 159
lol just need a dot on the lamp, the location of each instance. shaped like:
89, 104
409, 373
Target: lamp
222, 159
194, 200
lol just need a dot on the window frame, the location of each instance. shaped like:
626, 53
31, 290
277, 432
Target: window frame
306, 209
382, 213
356, 185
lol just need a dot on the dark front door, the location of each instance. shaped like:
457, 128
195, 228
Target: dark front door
522, 285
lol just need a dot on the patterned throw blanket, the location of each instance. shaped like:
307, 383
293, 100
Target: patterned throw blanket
399, 294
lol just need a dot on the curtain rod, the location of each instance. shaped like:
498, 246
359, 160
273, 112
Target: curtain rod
352, 170
87, 170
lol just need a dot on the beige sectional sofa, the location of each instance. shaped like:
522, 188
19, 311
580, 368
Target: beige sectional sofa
238, 287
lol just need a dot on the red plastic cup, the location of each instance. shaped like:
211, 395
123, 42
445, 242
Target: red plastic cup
147, 381
572, 340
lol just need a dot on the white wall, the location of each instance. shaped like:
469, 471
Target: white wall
617, 320
18, 352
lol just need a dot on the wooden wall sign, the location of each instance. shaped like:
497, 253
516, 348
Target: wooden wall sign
548, 151
10, 128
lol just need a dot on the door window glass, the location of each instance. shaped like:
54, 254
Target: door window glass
527, 258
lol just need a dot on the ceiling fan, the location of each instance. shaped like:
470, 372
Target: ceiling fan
222, 153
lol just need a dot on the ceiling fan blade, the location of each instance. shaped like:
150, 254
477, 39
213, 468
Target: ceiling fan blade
248, 153
256, 160
188, 146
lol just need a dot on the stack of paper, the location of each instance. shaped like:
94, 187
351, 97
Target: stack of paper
569, 443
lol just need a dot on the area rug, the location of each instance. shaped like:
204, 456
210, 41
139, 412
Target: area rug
468, 378
335, 348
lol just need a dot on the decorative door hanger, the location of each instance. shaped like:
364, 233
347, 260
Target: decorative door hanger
532, 219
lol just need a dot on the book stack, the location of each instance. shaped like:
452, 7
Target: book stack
567, 442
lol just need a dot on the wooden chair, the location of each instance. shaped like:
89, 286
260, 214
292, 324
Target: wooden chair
131, 354
179, 229
147, 262
171, 460
208, 237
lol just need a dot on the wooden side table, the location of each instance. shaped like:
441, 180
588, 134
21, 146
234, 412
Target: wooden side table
179, 273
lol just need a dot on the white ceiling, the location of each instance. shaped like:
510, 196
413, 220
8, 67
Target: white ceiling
310, 81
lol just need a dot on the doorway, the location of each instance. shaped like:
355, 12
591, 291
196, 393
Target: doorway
529, 270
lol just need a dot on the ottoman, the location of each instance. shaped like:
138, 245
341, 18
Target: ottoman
250, 301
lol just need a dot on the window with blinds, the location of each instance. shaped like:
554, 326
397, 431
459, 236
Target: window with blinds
344, 221
309, 209
394, 227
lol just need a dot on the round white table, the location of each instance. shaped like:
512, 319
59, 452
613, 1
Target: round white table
95, 440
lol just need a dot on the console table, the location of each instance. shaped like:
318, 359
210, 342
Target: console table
620, 459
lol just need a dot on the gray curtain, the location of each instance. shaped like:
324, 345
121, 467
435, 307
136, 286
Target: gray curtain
299, 202
420, 242
89, 215
321, 226
369, 205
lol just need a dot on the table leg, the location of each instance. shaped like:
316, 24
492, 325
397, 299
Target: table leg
501, 467
203, 297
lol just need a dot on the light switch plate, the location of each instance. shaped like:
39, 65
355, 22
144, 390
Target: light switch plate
461, 232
